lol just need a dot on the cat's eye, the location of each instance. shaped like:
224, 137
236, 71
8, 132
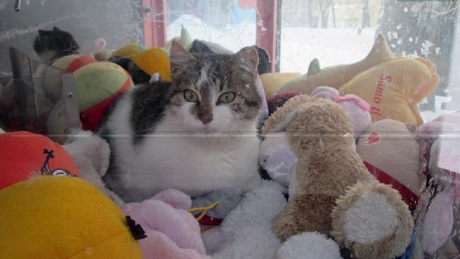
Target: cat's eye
190, 96
227, 97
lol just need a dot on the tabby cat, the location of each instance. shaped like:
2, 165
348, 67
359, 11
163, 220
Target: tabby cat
197, 134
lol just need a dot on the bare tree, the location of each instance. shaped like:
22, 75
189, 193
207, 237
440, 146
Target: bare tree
424, 29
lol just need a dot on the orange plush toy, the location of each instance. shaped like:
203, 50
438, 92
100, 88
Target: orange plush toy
24, 154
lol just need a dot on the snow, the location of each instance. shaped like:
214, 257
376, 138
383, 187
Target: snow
299, 45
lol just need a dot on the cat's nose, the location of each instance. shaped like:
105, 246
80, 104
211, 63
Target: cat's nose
206, 119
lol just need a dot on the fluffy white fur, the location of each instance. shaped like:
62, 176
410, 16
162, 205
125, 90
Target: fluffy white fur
370, 219
91, 155
246, 232
186, 154
309, 245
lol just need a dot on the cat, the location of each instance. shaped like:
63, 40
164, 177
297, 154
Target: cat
196, 134
50, 45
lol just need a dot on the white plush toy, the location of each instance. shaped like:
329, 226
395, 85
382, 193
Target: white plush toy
247, 232
91, 155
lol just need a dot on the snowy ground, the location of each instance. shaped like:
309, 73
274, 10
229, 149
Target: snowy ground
299, 45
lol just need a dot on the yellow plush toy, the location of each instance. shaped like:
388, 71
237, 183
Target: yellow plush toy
335, 76
271, 82
393, 86
62, 217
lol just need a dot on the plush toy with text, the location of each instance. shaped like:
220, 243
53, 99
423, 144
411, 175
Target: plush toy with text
393, 86
330, 190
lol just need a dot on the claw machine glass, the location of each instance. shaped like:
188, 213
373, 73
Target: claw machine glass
400, 57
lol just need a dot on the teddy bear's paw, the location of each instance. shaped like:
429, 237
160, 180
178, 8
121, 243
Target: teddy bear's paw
372, 221
309, 245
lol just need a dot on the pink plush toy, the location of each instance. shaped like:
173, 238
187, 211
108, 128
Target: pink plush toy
440, 136
172, 232
354, 105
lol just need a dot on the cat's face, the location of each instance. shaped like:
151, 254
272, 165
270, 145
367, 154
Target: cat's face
53, 43
214, 92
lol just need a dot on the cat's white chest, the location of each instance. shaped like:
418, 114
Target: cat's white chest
194, 163
177, 162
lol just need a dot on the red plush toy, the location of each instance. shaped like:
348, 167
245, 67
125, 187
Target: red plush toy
24, 154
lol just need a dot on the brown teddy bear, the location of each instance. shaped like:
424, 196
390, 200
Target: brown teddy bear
330, 190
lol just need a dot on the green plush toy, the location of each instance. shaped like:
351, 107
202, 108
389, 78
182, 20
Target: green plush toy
67, 64
97, 85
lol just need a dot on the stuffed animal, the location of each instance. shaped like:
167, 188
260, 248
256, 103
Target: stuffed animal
393, 86
73, 216
275, 155
438, 221
273, 81
53, 75
172, 232
356, 107
336, 76
25, 154
439, 136
330, 191
97, 85
91, 155
142, 65
63, 217
247, 231
392, 154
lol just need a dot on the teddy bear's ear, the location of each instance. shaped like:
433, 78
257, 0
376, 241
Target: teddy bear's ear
283, 124
284, 114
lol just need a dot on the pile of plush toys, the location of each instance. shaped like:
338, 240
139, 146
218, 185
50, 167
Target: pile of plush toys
364, 175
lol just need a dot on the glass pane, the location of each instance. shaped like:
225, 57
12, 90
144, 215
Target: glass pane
395, 62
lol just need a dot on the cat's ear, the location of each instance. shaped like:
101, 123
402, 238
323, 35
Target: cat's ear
247, 58
56, 28
178, 56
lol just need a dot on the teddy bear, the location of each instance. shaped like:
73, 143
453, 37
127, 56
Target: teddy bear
393, 86
330, 190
